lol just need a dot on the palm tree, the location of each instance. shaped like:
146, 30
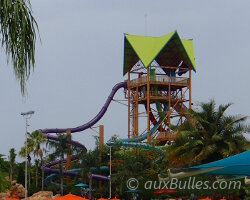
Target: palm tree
37, 139
34, 142
209, 136
18, 30
12, 159
60, 149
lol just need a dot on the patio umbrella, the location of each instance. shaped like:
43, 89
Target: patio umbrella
11, 199
102, 199
115, 199
165, 191
238, 165
81, 185
234, 165
133, 191
69, 197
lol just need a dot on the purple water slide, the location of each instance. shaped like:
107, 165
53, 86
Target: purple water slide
74, 172
47, 167
75, 143
95, 119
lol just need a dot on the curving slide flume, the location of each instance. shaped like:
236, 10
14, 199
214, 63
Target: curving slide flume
74, 172
136, 142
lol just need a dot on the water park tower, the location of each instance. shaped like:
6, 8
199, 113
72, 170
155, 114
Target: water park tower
159, 91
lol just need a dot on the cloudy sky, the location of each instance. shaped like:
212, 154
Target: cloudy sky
80, 59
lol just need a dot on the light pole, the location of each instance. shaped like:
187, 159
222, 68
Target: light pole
110, 172
27, 116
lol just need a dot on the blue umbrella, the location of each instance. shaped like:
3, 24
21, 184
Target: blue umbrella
234, 165
237, 165
133, 191
81, 185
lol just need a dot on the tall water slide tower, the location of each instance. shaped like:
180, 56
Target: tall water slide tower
158, 71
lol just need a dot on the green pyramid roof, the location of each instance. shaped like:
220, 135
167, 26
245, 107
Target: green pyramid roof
167, 50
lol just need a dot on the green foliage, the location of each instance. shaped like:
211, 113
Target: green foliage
12, 156
4, 184
3, 164
246, 192
210, 135
18, 29
61, 147
34, 142
20, 175
126, 163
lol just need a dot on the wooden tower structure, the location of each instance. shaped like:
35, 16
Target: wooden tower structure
159, 92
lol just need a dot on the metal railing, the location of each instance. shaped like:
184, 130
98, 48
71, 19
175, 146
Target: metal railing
159, 79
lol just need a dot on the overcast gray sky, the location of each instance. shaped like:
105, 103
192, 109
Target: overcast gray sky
81, 58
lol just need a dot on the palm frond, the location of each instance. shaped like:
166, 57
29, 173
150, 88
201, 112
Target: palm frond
18, 29
211, 135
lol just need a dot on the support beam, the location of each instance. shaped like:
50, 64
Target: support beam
136, 113
181, 106
148, 106
101, 136
68, 161
133, 118
190, 89
169, 105
128, 86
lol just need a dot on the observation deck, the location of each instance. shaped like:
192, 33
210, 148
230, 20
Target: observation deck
159, 80
159, 89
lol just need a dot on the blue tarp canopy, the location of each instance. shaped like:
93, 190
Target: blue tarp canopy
234, 165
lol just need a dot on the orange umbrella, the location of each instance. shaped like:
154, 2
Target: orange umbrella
102, 199
11, 199
70, 197
115, 199
167, 191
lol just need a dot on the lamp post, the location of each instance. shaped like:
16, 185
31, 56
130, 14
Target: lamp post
110, 172
27, 116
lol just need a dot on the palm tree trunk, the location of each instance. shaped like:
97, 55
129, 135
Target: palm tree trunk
61, 173
42, 173
29, 167
11, 173
36, 177
90, 185
29, 178
42, 179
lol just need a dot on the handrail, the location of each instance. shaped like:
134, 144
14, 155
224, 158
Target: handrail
159, 79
